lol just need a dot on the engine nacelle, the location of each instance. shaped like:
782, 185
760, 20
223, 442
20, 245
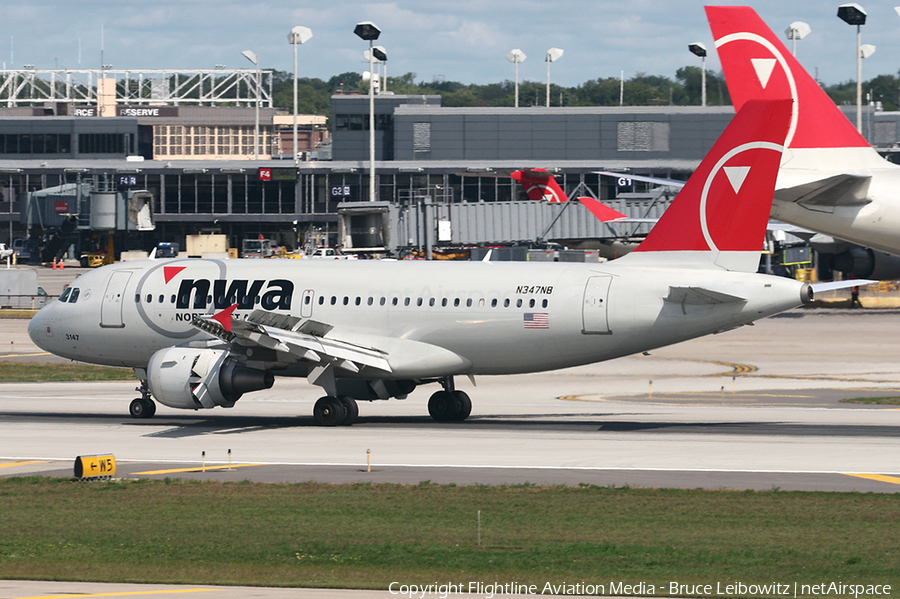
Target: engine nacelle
868, 264
188, 378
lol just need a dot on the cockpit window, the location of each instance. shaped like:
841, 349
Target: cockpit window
65, 294
73, 297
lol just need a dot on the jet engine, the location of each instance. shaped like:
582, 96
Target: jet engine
867, 264
189, 378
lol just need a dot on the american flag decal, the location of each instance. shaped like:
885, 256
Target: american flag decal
537, 320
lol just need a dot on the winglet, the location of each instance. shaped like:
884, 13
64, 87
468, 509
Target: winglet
540, 184
224, 317
720, 215
757, 66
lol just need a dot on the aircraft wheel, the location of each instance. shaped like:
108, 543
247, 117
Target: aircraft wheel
465, 405
328, 411
142, 408
443, 406
351, 410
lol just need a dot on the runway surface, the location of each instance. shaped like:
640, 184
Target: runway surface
755, 408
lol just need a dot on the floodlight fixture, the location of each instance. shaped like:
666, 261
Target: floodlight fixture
516, 56
552, 55
298, 35
367, 30
797, 31
699, 49
252, 57
854, 14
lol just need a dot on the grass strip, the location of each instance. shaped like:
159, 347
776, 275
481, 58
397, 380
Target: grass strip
885, 401
369, 535
39, 372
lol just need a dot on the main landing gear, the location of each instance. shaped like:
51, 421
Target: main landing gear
334, 411
143, 406
449, 405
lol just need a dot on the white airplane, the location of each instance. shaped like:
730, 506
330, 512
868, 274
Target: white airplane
199, 333
831, 180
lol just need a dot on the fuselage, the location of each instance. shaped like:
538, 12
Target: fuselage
499, 318
873, 221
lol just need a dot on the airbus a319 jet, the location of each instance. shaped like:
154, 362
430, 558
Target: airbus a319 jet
200, 333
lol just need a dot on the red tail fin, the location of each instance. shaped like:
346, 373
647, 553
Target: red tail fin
757, 66
723, 209
540, 185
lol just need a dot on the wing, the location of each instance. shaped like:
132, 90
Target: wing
351, 354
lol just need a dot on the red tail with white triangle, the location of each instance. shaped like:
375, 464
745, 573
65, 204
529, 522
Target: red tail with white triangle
757, 66
720, 215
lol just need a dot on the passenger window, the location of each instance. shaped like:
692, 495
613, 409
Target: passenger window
469, 303
162, 298
406, 301
346, 300
306, 300
172, 299
149, 299
518, 303
370, 301
456, 303
395, 301
358, 300
431, 302
74, 296
444, 303
506, 303
481, 303
137, 298
494, 303
381, 302
419, 302
544, 303
531, 303
333, 300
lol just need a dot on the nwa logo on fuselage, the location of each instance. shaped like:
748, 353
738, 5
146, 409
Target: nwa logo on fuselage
268, 295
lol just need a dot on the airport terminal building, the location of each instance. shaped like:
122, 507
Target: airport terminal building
442, 174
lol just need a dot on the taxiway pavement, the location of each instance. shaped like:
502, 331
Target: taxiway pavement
755, 408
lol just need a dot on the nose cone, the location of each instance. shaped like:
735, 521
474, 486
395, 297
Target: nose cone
40, 327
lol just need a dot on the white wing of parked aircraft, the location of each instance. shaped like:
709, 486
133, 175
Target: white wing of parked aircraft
831, 180
200, 333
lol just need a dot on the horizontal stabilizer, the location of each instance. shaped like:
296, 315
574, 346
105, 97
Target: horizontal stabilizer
832, 285
698, 296
604, 213
839, 190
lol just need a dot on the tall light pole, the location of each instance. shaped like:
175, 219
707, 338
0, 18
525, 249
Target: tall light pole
796, 31
368, 31
298, 35
252, 57
552, 54
854, 14
699, 49
516, 56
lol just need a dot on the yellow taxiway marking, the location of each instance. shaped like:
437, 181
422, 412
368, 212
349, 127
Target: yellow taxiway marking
8, 464
43, 353
879, 477
121, 594
198, 469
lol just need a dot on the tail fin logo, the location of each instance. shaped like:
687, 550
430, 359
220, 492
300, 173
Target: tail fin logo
764, 67
736, 176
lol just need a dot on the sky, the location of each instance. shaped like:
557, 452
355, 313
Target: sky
453, 40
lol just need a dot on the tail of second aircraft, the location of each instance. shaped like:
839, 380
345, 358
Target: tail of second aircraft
540, 184
757, 66
719, 218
